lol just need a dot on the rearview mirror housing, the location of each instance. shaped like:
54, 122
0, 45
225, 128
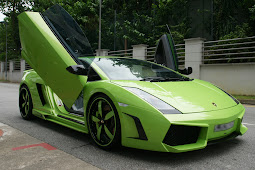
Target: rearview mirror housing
186, 71
78, 70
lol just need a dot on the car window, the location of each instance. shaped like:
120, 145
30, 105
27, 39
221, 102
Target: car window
68, 31
92, 75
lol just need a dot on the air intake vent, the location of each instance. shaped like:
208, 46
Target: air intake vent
181, 135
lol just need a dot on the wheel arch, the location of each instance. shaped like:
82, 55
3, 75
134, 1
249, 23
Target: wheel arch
31, 79
97, 91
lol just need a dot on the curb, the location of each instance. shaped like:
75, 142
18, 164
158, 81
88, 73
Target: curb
9, 84
22, 151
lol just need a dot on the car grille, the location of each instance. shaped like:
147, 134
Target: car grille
181, 135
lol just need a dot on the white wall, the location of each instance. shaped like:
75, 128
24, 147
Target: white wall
234, 78
15, 76
3, 75
193, 55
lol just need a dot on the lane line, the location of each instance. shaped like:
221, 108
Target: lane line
44, 145
249, 124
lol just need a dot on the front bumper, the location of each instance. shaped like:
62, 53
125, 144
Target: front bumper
158, 129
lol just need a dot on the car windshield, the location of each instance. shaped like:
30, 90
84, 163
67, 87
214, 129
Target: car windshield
132, 69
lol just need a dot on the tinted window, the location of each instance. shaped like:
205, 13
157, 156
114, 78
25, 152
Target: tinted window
92, 74
68, 31
132, 69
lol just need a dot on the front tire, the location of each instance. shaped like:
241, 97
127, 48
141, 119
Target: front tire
103, 122
25, 103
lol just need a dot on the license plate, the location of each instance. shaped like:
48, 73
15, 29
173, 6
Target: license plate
225, 126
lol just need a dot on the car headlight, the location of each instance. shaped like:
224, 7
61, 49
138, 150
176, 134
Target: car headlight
154, 101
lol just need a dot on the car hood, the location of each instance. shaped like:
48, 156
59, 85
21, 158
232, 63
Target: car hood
186, 96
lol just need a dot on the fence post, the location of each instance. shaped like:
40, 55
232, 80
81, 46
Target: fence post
2, 66
139, 51
194, 55
11, 68
102, 52
22, 66
1, 70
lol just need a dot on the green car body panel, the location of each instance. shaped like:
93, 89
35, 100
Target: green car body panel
203, 105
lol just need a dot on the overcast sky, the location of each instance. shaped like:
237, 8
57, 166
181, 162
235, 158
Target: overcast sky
2, 16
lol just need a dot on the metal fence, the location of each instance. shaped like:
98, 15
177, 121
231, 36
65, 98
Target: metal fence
150, 53
238, 50
8, 66
27, 66
180, 49
121, 53
16, 65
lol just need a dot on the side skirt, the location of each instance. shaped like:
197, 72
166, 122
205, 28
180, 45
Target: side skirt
67, 123
64, 121
73, 120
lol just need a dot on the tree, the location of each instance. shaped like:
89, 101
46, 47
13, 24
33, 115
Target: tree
137, 21
233, 19
12, 9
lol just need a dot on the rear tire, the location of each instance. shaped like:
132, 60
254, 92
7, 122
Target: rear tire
103, 122
25, 103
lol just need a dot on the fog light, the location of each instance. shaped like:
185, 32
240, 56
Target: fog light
222, 127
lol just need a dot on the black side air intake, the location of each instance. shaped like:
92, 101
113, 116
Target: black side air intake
40, 92
139, 127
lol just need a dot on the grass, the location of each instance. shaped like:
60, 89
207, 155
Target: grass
243, 97
4, 81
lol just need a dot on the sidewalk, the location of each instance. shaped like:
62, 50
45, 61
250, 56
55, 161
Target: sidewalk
21, 151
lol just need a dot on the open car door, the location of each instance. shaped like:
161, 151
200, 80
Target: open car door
166, 54
51, 42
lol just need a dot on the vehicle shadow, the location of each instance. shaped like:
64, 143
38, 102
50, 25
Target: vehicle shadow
89, 152
56, 129
211, 151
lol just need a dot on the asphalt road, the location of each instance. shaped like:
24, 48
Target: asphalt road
238, 153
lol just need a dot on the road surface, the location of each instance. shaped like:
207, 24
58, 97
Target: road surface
238, 153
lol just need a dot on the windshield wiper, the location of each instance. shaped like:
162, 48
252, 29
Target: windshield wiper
161, 79
153, 79
178, 79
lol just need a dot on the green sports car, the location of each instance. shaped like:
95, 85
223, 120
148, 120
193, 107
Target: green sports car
119, 101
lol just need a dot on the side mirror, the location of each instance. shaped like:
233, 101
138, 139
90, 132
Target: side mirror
189, 71
186, 71
78, 70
